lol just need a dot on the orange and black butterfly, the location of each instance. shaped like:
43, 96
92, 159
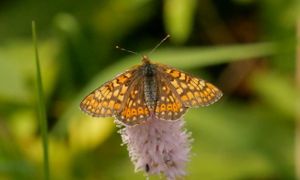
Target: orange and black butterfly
149, 90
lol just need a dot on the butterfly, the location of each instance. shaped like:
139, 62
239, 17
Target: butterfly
149, 90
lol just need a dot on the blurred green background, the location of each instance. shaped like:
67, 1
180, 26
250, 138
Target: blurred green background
246, 47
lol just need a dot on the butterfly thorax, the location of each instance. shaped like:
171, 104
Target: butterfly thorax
150, 84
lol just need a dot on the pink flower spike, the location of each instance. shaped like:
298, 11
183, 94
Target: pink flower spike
158, 147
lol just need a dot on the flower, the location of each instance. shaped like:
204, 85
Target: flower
158, 147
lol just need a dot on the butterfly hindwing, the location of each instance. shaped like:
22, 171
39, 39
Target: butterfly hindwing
134, 110
108, 98
192, 91
168, 105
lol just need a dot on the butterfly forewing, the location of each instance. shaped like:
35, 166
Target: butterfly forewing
192, 91
134, 110
168, 105
107, 99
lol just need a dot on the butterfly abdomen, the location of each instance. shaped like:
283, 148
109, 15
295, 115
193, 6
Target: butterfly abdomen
150, 86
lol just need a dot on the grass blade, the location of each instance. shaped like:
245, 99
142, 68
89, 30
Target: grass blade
41, 104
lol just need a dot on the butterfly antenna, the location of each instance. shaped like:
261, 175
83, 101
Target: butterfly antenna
126, 50
163, 40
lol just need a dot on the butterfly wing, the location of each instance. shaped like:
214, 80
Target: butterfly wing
168, 105
192, 91
107, 100
134, 110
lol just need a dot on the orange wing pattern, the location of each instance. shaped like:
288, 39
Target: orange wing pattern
192, 92
135, 110
168, 105
124, 98
107, 99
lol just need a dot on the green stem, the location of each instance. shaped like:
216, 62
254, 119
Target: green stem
41, 105
297, 133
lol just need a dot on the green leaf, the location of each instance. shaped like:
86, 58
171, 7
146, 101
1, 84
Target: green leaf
179, 16
41, 104
277, 91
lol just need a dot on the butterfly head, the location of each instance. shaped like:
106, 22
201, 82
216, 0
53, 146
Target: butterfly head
147, 67
145, 59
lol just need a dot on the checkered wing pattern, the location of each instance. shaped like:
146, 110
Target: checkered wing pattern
107, 100
192, 91
168, 105
134, 111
